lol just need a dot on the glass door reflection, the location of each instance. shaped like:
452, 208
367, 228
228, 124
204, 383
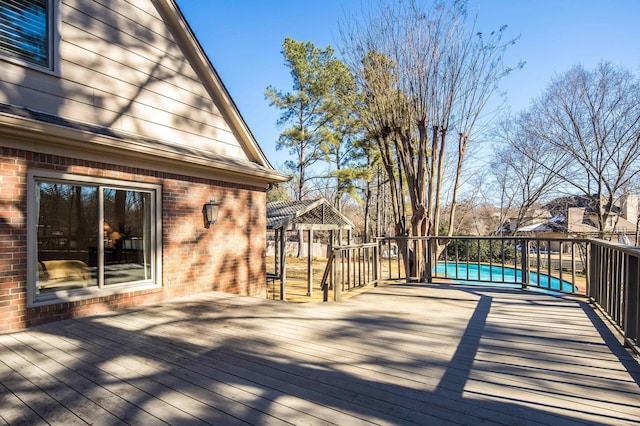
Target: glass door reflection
126, 236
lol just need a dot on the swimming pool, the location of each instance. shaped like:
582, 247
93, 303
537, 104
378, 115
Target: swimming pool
473, 273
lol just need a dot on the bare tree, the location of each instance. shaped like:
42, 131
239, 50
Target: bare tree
525, 171
385, 107
481, 72
424, 74
593, 119
371, 187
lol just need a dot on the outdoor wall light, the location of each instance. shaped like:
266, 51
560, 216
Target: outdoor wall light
210, 212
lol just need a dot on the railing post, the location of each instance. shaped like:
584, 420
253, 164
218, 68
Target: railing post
573, 267
588, 267
524, 254
376, 264
310, 263
331, 241
591, 255
325, 286
283, 265
430, 260
276, 249
631, 325
326, 277
349, 257
337, 285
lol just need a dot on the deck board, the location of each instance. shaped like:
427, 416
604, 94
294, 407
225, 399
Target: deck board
397, 354
254, 372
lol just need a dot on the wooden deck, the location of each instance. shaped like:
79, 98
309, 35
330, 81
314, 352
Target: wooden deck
399, 354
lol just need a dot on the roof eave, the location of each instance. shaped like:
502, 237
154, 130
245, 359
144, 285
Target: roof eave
56, 136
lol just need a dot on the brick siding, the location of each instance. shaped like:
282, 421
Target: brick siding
228, 256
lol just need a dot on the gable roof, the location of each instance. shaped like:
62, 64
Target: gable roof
575, 214
209, 77
560, 206
27, 122
309, 214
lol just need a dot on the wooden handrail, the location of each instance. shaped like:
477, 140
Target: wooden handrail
327, 270
353, 255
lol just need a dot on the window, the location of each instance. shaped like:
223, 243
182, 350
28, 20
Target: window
89, 236
26, 30
609, 223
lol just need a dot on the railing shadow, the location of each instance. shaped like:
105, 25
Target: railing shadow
613, 342
468, 347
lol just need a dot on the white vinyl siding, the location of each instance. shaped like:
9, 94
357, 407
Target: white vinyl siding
121, 68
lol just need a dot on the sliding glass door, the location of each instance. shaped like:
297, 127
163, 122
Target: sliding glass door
67, 220
127, 236
91, 235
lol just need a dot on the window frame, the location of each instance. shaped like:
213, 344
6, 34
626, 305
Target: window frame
53, 40
100, 290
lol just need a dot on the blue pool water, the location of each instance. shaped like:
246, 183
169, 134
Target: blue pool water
474, 273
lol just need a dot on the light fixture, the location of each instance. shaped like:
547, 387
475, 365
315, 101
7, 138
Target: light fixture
210, 212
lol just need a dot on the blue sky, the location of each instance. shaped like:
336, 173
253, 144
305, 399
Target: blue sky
243, 40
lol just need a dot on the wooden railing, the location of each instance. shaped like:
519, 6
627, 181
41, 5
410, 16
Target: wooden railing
607, 274
555, 264
349, 268
615, 287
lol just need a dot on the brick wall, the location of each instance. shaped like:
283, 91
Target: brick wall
228, 256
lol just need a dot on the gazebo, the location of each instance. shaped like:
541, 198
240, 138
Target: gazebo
309, 216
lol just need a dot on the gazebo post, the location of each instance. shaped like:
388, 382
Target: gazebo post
331, 237
309, 263
283, 261
276, 249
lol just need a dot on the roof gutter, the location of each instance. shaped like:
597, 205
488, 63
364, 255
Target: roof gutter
39, 136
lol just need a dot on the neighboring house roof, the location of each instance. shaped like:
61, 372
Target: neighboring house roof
555, 224
579, 228
308, 215
623, 225
534, 227
574, 214
559, 206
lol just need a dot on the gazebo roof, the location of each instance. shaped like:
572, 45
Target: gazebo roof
305, 215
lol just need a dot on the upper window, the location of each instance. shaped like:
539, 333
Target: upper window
89, 236
26, 30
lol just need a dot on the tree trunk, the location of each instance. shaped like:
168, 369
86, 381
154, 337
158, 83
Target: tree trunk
462, 146
367, 212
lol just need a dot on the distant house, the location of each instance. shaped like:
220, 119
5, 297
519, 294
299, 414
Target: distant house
115, 131
576, 215
532, 218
